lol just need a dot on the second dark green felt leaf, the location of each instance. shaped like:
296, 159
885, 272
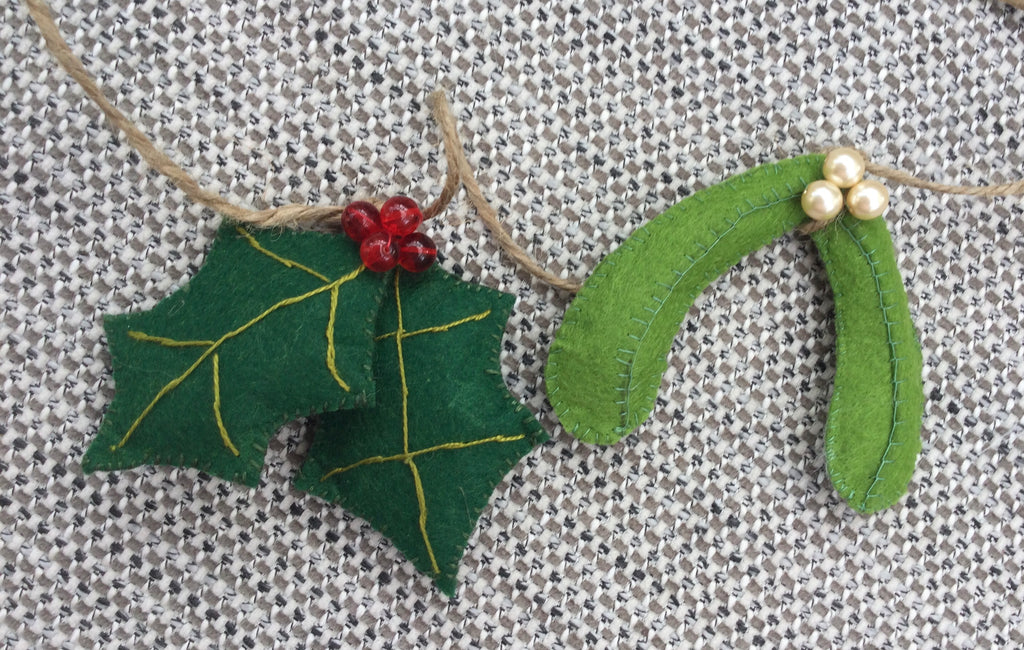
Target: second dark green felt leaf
271, 372
456, 398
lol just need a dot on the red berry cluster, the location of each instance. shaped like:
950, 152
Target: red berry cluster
388, 237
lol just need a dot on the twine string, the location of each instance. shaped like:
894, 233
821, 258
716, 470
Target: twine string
294, 215
900, 177
457, 160
157, 159
459, 172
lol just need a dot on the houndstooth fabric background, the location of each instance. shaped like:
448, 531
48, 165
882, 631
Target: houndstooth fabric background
715, 523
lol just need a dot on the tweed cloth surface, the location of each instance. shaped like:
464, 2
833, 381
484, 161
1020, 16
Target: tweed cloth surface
715, 522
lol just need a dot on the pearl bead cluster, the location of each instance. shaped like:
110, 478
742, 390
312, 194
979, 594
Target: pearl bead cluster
844, 170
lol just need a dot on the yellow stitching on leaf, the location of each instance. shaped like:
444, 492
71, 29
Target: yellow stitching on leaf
399, 334
216, 406
422, 499
331, 354
406, 456
166, 342
373, 460
174, 383
439, 328
292, 264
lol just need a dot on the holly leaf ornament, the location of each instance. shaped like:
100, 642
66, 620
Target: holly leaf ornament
422, 463
274, 326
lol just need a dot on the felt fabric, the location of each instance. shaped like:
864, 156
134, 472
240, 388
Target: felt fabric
716, 524
609, 354
274, 326
874, 423
422, 463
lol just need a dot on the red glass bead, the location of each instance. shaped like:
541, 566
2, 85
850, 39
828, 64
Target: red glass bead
379, 252
416, 252
359, 220
400, 216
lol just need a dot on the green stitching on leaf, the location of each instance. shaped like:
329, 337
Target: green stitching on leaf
873, 433
606, 362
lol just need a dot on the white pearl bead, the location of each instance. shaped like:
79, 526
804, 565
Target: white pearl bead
822, 200
867, 200
844, 167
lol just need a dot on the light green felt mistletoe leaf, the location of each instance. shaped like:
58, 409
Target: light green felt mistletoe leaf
422, 463
606, 362
275, 325
873, 434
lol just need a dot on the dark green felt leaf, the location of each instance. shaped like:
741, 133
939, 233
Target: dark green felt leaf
422, 463
274, 326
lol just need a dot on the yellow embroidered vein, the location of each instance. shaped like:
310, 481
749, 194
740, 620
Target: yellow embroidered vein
372, 460
216, 407
406, 456
215, 345
166, 342
332, 364
292, 264
439, 328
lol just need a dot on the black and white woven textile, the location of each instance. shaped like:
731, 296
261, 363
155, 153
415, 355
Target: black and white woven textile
715, 523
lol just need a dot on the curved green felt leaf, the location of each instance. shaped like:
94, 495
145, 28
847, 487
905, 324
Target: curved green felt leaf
873, 433
271, 369
608, 357
443, 421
